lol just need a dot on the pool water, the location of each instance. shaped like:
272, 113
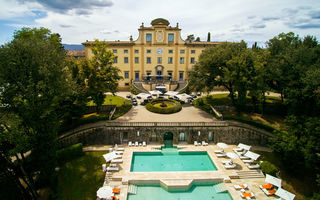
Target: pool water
169, 159
202, 191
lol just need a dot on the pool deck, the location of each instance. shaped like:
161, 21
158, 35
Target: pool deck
181, 179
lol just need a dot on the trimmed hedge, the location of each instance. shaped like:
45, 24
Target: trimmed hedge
164, 110
269, 168
251, 122
69, 153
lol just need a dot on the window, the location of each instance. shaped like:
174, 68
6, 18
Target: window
182, 137
126, 84
159, 60
115, 60
136, 59
125, 51
170, 51
170, 60
182, 51
180, 76
126, 75
170, 37
126, 60
210, 136
193, 51
148, 50
192, 60
181, 60
114, 50
136, 76
148, 37
148, 59
136, 51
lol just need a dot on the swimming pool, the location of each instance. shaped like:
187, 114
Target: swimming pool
170, 159
203, 191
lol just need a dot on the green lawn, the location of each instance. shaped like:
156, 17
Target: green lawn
110, 100
81, 178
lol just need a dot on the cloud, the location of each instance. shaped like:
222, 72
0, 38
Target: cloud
315, 14
258, 26
83, 12
306, 26
63, 6
108, 32
65, 26
270, 18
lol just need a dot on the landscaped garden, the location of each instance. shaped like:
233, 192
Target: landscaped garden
164, 106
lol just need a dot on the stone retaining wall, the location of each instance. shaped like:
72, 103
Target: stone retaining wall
233, 133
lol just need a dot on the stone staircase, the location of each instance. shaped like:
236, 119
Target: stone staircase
182, 85
250, 174
138, 86
132, 189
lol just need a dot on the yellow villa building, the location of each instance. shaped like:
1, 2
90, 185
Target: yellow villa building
158, 56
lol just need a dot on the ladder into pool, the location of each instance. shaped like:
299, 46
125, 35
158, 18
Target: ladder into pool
132, 189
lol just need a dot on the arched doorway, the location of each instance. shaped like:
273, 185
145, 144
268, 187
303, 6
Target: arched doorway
167, 139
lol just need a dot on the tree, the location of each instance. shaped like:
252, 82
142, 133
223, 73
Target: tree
197, 39
34, 83
190, 38
209, 37
101, 75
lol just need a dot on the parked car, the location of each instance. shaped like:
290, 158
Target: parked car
146, 101
193, 96
128, 96
133, 99
182, 102
199, 94
143, 103
138, 97
134, 103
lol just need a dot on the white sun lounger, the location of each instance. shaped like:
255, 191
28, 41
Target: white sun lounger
248, 161
130, 144
204, 143
195, 143
119, 149
269, 192
221, 155
219, 151
112, 169
226, 162
136, 144
240, 186
144, 143
116, 161
119, 152
228, 166
252, 195
256, 166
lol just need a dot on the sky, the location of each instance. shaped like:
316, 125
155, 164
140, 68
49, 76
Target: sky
228, 20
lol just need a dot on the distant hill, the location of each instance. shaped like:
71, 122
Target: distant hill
71, 47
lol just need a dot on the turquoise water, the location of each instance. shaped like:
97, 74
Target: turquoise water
169, 159
203, 191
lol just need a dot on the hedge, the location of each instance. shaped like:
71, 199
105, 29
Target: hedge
251, 122
268, 168
163, 110
69, 153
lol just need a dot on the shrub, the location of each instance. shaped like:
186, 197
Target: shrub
133, 90
69, 153
269, 168
163, 110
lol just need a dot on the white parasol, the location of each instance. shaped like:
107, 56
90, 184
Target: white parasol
273, 180
232, 155
222, 145
105, 192
110, 156
284, 194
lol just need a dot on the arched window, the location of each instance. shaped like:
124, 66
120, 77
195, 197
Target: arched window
182, 137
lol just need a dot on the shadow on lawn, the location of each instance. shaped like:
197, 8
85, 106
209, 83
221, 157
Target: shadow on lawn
81, 177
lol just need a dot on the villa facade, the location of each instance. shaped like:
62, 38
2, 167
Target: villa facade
159, 54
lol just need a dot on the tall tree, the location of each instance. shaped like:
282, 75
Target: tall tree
102, 76
34, 83
209, 37
190, 38
197, 39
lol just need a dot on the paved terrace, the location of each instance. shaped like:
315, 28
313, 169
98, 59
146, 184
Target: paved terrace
184, 178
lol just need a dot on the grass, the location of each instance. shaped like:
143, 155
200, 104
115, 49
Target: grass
110, 100
300, 185
267, 121
82, 177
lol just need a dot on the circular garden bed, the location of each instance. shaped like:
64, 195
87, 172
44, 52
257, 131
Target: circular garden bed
164, 106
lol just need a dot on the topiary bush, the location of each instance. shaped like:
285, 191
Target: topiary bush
69, 153
269, 168
174, 106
